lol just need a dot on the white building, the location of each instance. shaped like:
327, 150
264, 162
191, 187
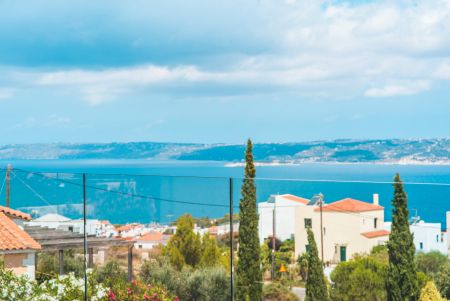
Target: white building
427, 236
284, 207
106, 229
222, 229
349, 227
132, 230
57, 221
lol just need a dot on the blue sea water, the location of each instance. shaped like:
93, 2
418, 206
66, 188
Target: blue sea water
144, 191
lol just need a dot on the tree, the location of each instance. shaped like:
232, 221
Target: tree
185, 246
361, 278
401, 280
437, 267
316, 286
430, 293
210, 252
248, 270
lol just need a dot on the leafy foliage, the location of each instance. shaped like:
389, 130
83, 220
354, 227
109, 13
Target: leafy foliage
278, 292
316, 287
362, 278
248, 271
401, 281
430, 293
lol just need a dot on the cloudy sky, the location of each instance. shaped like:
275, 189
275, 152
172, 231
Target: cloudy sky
222, 71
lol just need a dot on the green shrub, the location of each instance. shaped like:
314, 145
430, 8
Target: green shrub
278, 292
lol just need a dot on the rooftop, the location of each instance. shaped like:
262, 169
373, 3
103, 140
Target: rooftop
373, 234
13, 237
350, 205
295, 198
14, 213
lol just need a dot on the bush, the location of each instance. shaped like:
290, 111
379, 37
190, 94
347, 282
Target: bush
208, 284
362, 278
277, 292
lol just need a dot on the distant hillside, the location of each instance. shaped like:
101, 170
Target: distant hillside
346, 151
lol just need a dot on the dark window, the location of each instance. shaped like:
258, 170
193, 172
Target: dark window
421, 245
307, 248
437, 238
375, 223
308, 223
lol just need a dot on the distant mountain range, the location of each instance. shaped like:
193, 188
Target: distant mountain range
407, 151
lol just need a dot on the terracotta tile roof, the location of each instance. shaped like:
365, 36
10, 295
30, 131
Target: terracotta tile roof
152, 236
350, 205
295, 198
14, 213
12, 237
374, 234
129, 227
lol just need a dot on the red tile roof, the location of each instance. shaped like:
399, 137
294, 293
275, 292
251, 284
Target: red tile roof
374, 234
350, 205
15, 213
129, 227
295, 198
152, 236
12, 237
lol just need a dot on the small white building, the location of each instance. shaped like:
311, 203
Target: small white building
427, 236
57, 221
132, 230
284, 207
106, 229
222, 229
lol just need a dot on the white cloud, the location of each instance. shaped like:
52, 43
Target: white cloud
319, 48
398, 90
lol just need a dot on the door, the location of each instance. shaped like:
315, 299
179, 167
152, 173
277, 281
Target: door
343, 251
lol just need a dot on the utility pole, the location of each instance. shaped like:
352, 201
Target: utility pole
8, 185
319, 197
231, 239
274, 239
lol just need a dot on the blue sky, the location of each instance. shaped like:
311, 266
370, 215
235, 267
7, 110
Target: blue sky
222, 71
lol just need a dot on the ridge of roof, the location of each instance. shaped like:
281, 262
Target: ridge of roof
295, 198
350, 205
15, 213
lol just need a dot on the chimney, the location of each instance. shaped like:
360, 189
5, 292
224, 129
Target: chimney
376, 199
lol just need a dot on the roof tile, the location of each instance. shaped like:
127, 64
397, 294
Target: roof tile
15, 213
12, 237
350, 205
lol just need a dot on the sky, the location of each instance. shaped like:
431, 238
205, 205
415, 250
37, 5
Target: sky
222, 71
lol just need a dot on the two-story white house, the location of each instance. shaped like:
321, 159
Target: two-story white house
349, 227
283, 208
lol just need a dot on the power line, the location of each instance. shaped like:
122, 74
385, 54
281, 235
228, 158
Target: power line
31, 188
132, 195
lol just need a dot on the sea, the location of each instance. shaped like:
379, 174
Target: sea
146, 191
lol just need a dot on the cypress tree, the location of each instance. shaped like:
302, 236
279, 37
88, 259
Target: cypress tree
248, 270
401, 282
316, 287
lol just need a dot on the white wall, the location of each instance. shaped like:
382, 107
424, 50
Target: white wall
284, 214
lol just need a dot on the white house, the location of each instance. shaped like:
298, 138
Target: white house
57, 221
427, 236
283, 207
106, 229
349, 227
132, 230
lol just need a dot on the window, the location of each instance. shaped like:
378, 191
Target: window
308, 223
437, 238
307, 248
324, 231
375, 223
421, 245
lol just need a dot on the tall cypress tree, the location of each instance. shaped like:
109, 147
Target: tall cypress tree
248, 270
316, 287
401, 282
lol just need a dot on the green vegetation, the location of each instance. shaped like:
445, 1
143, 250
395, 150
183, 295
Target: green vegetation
47, 266
437, 268
248, 271
430, 293
278, 292
401, 281
316, 286
207, 284
362, 278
